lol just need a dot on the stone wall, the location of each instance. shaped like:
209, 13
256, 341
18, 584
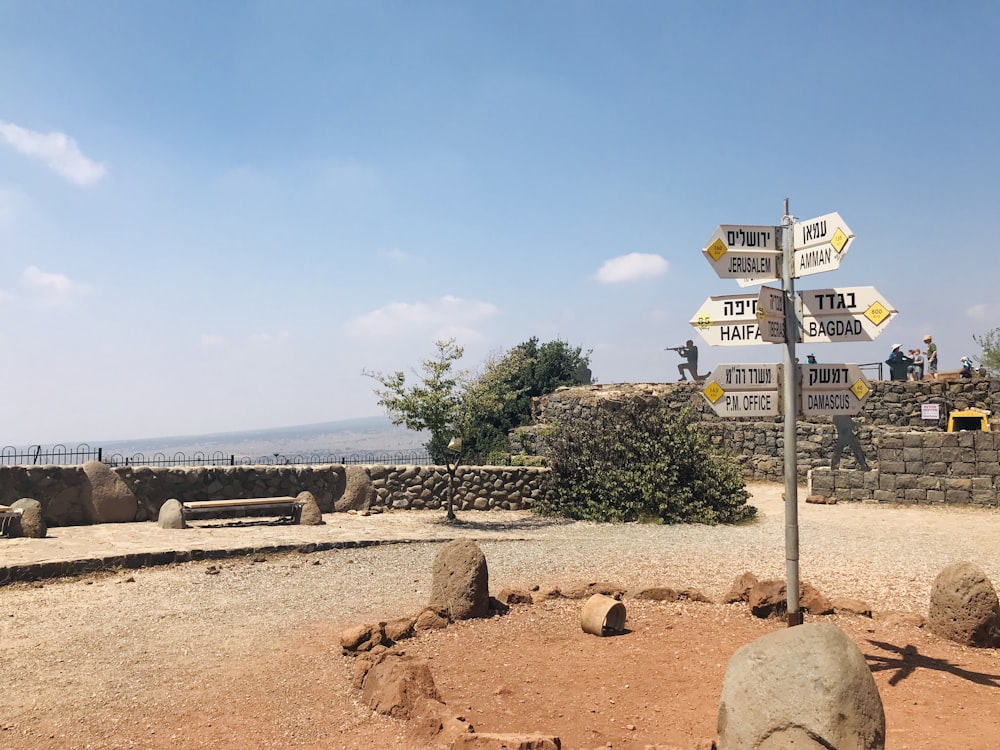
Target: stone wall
892, 407
61, 489
961, 468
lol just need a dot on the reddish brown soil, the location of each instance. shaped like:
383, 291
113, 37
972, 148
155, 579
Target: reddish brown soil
535, 670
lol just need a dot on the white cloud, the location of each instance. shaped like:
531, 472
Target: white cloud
51, 289
985, 312
396, 255
631, 267
212, 340
441, 316
57, 150
268, 339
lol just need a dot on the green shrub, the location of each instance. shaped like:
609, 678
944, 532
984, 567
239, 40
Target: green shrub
631, 461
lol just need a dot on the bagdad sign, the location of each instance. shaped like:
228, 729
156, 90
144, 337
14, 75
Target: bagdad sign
819, 244
728, 320
858, 313
744, 390
736, 251
832, 389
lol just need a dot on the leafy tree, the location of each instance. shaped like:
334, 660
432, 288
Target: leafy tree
990, 358
631, 461
442, 403
511, 379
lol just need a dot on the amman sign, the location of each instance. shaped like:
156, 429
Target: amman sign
819, 244
832, 389
744, 390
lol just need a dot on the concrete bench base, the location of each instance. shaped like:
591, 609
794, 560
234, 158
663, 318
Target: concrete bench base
7, 515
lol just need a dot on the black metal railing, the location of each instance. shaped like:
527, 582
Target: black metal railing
36, 455
218, 458
59, 454
870, 368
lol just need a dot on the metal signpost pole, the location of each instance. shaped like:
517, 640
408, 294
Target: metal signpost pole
790, 396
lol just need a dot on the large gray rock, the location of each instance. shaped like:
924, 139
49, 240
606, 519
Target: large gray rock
31, 523
106, 498
171, 515
461, 581
964, 607
807, 687
311, 514
359, 492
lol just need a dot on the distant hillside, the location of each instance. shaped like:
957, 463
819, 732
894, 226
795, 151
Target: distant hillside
345, 436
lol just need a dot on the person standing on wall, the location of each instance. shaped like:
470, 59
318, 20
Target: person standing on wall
690, 352
916, 370
898, 363
966, 371
932, 359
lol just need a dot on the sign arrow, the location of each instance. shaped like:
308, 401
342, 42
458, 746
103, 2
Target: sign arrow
737, 251
819, 244
833, 389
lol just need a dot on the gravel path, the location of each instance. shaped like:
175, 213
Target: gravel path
101, 637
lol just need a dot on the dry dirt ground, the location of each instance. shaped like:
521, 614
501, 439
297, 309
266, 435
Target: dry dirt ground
181, 681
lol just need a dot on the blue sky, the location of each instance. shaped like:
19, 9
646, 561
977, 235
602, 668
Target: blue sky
215, 216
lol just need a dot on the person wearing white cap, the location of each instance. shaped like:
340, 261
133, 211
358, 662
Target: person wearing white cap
898, 363
931, 357
966, 368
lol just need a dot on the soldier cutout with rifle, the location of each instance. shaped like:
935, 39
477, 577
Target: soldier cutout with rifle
690, 352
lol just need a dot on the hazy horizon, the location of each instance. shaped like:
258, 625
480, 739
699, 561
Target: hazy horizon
359, 434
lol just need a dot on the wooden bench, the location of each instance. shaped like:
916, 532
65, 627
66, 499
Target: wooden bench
7, 516
283, 507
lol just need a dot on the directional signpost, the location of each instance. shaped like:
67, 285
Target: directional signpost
819, 244
744, 390
736, 251
832, 390
758, 254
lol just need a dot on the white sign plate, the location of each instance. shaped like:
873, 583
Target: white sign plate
732, 334
737, 236
751, 377
848, 299
739, 264
833, 389
839, 328
770, 301
727, 308
858, 313
772, 329
819, 244
819, 231
728, 320
746, 404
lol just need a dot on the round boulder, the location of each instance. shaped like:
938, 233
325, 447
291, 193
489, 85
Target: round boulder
807, 687
359, 493
311, 514
460, 581
31, 523
171, 515
106, 496
964, 607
